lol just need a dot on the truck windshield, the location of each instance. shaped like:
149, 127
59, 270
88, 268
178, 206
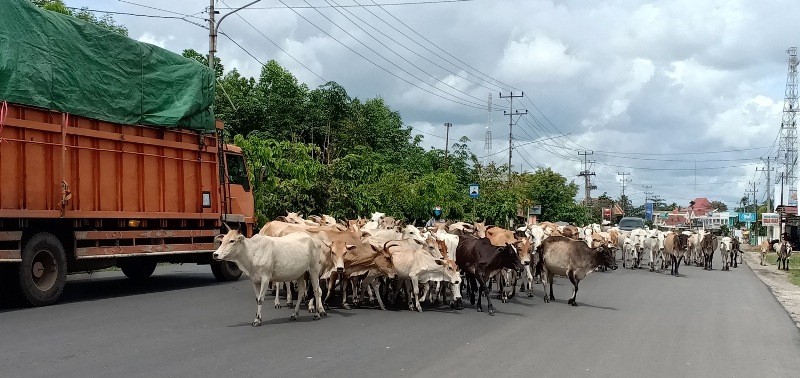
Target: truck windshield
237, 172
631, 223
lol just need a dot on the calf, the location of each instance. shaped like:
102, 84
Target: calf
707, 246
417, 266
480, 260
726, 252
784, 252
281, 259
676, 246
569, 258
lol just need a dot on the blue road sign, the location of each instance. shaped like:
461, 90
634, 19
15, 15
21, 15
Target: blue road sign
747, 217
474, 190
648, 211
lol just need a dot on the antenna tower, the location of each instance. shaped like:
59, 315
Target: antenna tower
788, 150
487, 145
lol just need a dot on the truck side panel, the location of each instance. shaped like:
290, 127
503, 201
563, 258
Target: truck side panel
113, 171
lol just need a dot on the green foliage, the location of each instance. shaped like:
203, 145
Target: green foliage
321, 151
106, 21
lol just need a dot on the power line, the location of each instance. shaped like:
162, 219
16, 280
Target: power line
276, 45
364, 5
128, 13
159, 9
370, 61
445, 51
393, 51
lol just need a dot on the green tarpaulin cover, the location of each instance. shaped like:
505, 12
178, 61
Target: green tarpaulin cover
58, 62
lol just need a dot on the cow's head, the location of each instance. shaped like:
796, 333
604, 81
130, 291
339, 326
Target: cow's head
480, 229
383, 260
606, 257
231, 247
453, 275
524, 251
509, 258
338, 249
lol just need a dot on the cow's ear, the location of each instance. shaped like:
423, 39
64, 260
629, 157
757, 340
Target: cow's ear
240, 238
351, 247
439, 262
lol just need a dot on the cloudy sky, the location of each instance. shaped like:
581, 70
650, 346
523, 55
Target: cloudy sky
654, 88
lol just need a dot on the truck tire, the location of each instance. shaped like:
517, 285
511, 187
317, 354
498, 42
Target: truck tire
138, 270
225, 271
43, 270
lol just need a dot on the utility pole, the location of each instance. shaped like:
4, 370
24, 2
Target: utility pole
446, 142
487, 144
768, 169
753, 191
213, 29
587, 176
625, 182
788, 132
511, 113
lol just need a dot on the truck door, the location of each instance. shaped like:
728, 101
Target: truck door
241, 196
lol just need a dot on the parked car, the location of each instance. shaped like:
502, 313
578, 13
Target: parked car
630, 223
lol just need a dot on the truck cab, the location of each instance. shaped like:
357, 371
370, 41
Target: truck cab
237, 191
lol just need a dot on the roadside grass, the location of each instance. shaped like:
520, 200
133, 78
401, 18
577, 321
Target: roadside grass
794, 266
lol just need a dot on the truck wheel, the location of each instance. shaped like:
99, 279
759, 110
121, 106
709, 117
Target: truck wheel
225, 271
138, 270
43, 270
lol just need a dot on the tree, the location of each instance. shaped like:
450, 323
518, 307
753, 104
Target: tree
719, 206
107, 21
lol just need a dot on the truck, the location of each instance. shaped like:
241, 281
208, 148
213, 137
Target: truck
109, 157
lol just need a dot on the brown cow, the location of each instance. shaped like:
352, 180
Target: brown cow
571, 232
559, 255
708, 245
784, 252
676, 246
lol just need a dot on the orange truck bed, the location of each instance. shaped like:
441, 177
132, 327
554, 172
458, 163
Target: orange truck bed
97, 194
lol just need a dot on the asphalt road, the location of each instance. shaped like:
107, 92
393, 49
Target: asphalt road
628, 324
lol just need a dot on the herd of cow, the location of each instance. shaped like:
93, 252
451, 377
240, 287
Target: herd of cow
380, 258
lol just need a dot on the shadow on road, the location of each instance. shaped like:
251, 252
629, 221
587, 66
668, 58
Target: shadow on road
97, 288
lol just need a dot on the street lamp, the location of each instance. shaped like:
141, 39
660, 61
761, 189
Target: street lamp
213, 28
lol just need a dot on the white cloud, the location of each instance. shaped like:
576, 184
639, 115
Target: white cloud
153, 40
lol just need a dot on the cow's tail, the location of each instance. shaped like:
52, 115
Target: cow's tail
540, 261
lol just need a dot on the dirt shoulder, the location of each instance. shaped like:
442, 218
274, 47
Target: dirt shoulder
787, 293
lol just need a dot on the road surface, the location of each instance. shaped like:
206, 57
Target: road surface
628, 324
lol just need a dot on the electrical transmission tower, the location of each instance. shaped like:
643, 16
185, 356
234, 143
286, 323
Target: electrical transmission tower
788, 137
487, 145
511, 113
587, 176
625, 182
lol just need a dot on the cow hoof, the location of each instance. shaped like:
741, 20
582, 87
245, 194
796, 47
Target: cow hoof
290, 304
278, 306
316, 317
652, 270
530, 294
574, 304
256, 323
479, 308
347, 306
491, 310
292, 318
546, 300
326, 307
324, 314
570, 301
552, 298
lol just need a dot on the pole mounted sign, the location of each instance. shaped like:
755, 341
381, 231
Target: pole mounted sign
770, 219
747, 217
474, 190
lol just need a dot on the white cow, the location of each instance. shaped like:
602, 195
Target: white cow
633, 248
417, 266
654, 245
450, 240
280, 259
375, 221
726, 251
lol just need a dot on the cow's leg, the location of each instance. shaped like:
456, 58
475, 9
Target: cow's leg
312, 299
544, 277
514, 278
317, 296
574, 280
301, 289
375, 285
482, 282
261, 291
277, 294
344, 281
415, 293
331, 283
426, 290
528, 281
354, 283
